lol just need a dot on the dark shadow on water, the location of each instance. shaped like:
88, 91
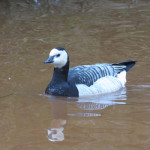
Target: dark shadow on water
67, 7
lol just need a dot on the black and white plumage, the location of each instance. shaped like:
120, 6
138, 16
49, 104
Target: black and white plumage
86, 79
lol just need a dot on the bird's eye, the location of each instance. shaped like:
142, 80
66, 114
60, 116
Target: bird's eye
57, 55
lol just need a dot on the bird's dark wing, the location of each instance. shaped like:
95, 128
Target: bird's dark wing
88, 74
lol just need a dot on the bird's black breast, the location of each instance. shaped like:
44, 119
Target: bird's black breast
62, 89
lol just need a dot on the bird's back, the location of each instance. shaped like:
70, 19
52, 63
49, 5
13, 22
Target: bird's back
99, 78
88, 74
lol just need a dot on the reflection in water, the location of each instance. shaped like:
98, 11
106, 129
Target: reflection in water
101, 102
55, 133
85, 115
37, 4
92, 31
60, 113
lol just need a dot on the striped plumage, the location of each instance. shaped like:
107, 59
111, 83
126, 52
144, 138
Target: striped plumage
87, 79
88, 74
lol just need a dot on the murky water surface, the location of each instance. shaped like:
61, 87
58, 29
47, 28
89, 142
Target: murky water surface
92, 32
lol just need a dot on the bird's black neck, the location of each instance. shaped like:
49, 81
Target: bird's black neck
61, 74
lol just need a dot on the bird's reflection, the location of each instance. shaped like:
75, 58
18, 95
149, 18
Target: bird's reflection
55, 133
103, 101
59, 110
59, 113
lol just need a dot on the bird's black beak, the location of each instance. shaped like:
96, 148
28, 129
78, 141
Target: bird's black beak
49, 60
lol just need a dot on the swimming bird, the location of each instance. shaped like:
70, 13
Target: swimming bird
84, 80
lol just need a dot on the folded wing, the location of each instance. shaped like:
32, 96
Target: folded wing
88, 74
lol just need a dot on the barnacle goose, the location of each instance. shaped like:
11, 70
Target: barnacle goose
84, 80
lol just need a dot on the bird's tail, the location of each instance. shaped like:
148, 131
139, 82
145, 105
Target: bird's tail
129, 64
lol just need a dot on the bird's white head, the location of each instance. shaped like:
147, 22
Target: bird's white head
58, 56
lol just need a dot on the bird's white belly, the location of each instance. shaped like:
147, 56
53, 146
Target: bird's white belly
101, 86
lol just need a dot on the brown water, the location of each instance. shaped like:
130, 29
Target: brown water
92, 32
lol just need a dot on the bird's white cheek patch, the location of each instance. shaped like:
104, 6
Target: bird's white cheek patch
60, 61
101, 86
53, 52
